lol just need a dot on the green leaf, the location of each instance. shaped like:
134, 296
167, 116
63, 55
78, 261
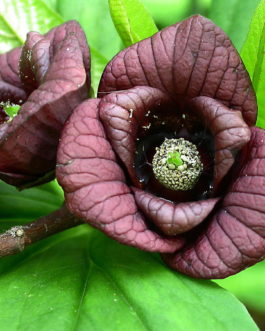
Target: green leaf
248, 286
132, 20
20, 207
95, 20
98, 63
253, 57
234, 17
85, 281
18, 17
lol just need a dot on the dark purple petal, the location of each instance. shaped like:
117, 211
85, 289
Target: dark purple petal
234, 238
94, 184
230, 132
173, 218
11, 87
189, 59
122, 114
53, 70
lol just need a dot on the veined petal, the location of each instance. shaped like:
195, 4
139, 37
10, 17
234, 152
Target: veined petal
189, 59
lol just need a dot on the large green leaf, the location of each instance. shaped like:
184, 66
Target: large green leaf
82, 280
95, 19
248, 286
234, 17
253, 57
18, 17
132, 20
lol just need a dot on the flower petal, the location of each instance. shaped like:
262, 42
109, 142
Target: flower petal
234, 238
11, 87
122, 113
170, 217
191, 58
230, 132
94, 184
28, 143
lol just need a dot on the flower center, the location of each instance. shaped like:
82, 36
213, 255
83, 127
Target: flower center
177, 164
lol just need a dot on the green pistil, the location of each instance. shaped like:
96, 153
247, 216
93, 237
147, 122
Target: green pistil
174, 158
10, 109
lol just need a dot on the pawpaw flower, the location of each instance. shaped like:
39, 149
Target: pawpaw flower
46, 78
167, 158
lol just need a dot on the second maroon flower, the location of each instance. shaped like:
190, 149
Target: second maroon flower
48, 78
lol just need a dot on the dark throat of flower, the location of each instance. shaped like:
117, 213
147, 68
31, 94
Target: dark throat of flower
175, 155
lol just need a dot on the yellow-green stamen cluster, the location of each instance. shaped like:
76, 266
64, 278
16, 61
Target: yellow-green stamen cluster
177, 165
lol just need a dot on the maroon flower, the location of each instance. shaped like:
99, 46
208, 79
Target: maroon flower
152, 161
48, 77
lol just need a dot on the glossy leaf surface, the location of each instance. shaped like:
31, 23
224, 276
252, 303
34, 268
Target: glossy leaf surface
253, 57
20, 207
248, 286
82, 280
132, 20
18, 17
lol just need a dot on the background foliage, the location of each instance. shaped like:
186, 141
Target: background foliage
79, 279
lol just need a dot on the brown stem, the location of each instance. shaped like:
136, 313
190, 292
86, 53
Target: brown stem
17, 238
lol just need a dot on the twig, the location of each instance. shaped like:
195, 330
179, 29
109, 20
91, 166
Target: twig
15, 240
